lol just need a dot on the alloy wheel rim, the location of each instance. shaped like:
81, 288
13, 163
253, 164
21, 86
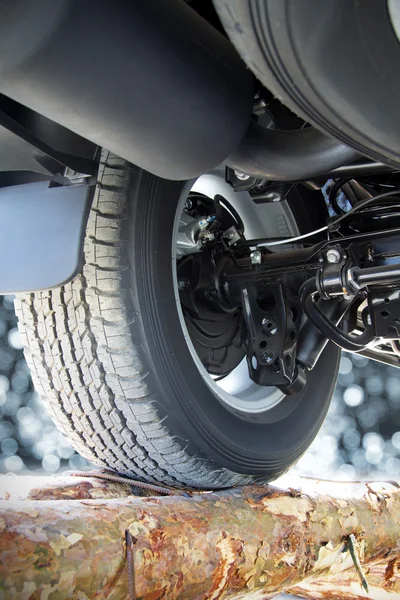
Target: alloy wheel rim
235, 390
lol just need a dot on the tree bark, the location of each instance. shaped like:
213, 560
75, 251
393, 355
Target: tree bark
251, 542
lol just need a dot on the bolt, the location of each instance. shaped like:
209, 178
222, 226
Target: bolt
189, 204
259, 105
269, 326
241, 176
183, 283
333, 255
207, 236
212, 293
255, 257
267, 357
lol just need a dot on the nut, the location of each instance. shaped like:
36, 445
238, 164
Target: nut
255, 257
333, 255
241, 176
267, 357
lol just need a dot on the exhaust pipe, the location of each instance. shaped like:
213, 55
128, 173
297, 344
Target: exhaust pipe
149, 80
288, 155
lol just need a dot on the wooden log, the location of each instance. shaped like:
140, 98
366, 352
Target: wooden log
251, 542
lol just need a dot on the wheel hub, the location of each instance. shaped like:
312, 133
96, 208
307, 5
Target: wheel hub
217, 333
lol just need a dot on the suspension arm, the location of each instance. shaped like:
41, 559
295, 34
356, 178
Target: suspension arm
325, 283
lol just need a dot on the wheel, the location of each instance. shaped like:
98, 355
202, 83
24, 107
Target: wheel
112, 355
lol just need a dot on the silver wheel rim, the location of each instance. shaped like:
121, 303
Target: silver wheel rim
236, 391
394, 14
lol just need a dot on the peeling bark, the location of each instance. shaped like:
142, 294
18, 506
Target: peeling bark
251, 542
14, 487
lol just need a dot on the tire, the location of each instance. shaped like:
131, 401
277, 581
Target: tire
300, 49
108, 355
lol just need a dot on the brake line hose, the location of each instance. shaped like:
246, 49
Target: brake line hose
307, 294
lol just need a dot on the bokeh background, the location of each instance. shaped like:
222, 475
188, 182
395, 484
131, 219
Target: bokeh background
360, 438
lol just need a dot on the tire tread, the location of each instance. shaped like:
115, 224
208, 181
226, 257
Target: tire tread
87, 367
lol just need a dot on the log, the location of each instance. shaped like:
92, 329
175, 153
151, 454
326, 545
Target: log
316, 540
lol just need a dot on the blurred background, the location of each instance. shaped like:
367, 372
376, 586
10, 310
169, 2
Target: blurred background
360, 438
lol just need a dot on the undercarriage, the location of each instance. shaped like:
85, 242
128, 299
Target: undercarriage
203, 204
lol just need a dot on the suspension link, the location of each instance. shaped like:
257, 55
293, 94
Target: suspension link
254, 304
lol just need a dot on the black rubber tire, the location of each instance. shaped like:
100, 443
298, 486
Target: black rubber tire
334, 63
108, 356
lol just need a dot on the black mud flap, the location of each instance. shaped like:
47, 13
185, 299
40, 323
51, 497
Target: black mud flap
42, 230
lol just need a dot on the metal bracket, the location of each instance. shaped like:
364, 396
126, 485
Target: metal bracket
384, 306
271, 317
22, 149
